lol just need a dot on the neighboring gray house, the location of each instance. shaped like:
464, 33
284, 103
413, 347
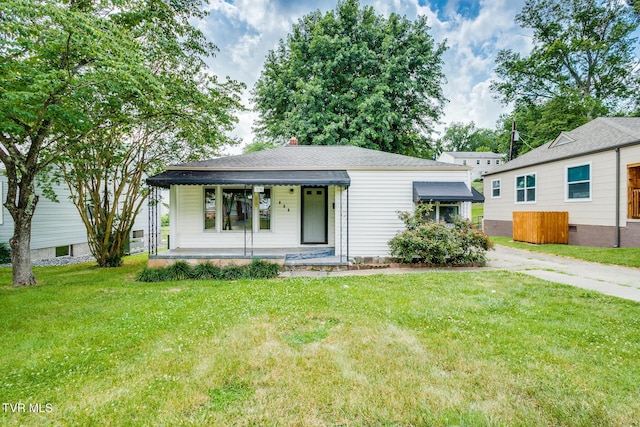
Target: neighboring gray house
57, 229
482, 162
339, 200
591, 172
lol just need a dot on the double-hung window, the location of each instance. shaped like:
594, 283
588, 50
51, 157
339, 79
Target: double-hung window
526, 188
579, 182
495, 188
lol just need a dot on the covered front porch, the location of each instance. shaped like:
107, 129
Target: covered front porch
293, 218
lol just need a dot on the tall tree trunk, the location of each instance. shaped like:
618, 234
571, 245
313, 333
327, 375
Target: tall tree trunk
21, 251
21, 203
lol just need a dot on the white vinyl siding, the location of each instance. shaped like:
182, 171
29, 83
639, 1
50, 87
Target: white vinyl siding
376, 198
56, 224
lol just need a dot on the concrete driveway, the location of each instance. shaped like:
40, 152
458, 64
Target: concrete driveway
617, 281
621, 282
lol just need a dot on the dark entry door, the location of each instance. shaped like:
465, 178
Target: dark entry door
314, 215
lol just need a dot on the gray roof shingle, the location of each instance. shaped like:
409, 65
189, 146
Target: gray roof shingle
314, 157
601, 134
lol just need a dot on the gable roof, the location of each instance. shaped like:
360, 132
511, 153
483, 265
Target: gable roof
601, 134
315, 157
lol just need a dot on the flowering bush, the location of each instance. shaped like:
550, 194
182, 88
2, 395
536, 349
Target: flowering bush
429, 242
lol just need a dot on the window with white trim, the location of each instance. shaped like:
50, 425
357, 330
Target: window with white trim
264, 209
210, 209
495, 188
579, 182
526, 188
445, 212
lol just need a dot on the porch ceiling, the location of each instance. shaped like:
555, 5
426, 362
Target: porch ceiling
250, 177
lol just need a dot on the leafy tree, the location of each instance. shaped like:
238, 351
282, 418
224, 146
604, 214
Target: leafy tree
582, 64
259, 146
51, 56
70, 72
185, 114
353, 77
466, 137
540, 124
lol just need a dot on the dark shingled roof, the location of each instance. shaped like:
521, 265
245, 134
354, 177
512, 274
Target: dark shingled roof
310, 157
601, 134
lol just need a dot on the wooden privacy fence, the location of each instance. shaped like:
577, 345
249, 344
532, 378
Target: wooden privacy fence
541, 227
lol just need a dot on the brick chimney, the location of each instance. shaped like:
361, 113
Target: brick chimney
293, 141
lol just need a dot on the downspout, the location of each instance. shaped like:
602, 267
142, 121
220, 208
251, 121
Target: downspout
617, 245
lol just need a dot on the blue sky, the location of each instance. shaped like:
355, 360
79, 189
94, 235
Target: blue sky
245, 30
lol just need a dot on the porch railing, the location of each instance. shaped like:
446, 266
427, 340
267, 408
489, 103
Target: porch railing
634, 203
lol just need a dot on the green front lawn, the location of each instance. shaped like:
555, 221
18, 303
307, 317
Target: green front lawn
94, 347
628, 257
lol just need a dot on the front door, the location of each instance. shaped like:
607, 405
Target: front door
314, 215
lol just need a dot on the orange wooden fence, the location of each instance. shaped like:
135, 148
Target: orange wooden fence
541, 227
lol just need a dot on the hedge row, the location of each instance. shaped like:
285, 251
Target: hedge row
258, 269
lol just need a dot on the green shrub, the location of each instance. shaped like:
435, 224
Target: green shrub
206, 271
260, 269
425, 241
234, 272
5, 252
153, 275
179, 270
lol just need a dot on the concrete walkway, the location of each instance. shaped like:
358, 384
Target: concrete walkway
616, 281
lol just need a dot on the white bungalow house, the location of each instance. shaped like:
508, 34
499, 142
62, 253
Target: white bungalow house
591, 172
57, 229
336, 202
481, 161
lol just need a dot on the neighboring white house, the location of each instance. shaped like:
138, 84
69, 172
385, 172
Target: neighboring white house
482, 162
57, 229
342, 200
592, 172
